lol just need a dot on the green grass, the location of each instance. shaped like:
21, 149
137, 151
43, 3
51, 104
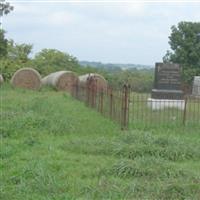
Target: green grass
54, 147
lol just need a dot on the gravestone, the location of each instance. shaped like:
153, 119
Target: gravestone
167, 82
196, 86
167, 87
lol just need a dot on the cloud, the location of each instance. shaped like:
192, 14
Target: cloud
110, 32
131, 9
62, 18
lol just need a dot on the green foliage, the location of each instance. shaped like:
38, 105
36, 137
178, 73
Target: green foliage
16, 58
139, 77
3, 44
19, 52
5, 8
51, 60
48, 152
140, 80
189, 72
185, 45
8, 68
113, 66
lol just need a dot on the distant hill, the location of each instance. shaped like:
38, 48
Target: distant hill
114, 66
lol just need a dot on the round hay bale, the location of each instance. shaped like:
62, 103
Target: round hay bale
93, 79
61, 80
1, 79
27, 78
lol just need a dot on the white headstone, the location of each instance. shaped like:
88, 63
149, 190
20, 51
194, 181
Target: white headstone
196, 86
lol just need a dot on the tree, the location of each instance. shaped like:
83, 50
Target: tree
51, 60
3, 44
17, 57
5, 8
185, 46
19, 52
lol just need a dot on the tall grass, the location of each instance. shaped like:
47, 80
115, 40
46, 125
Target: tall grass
54, 147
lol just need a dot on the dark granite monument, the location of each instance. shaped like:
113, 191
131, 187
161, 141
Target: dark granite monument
167, 83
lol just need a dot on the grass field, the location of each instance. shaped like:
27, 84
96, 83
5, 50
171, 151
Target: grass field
54, 147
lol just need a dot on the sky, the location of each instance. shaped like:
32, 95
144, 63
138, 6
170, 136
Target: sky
104, 31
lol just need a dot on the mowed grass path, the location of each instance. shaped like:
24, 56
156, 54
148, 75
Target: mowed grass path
54, 147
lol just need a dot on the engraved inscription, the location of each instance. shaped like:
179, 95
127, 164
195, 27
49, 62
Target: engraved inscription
167, 76
167, 83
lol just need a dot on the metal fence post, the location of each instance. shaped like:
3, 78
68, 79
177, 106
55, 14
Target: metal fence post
185, 110
76, 90
125, 107
111, 102
88, 93
101, 101
94, 93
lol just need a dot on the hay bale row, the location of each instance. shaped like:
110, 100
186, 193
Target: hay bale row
1, 79
95, 80
29, 78
61, 81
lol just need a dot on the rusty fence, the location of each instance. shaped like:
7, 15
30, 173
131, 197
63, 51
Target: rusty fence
148, 112
131, 109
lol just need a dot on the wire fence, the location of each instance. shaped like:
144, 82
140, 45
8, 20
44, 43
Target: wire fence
132, 109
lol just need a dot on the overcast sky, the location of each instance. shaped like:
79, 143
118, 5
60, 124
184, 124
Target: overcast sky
104, 31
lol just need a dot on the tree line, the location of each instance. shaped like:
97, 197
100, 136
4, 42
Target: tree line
185, 50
